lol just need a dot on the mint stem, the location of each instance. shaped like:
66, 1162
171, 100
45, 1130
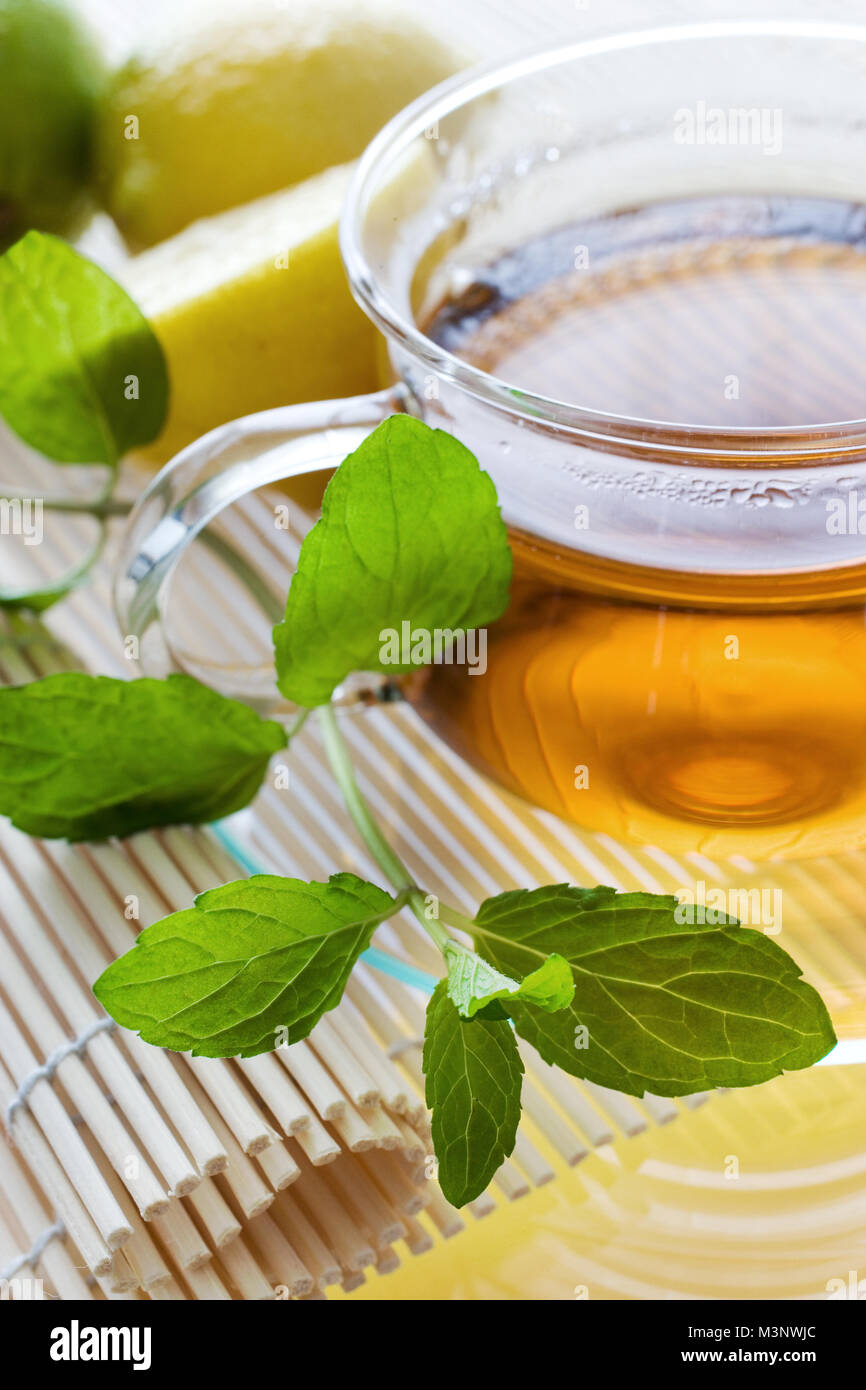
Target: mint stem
456, 919
297, 723
111, 506
368, 828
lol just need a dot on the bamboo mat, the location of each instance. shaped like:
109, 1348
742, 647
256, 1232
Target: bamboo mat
152, 1175
168, 1164
133, 1173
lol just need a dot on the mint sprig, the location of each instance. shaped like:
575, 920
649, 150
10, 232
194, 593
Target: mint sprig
607, 985
85, 757
474, 984
410, 534
249, 964
473, 1078
666, 1006
83, 378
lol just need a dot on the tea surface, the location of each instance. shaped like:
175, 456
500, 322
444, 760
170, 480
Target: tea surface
729, 312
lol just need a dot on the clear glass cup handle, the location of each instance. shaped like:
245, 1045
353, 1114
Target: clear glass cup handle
206, 478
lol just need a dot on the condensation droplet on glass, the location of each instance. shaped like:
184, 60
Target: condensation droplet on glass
779, 497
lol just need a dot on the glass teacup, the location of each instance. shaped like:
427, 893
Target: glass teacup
626, 273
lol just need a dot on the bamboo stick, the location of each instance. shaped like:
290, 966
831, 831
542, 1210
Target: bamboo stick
387, 1261
169, 1291
510, 1182
122, 1278
131, 1296
418, 1240
46, 1109
180, 1239
215, 1214
124, 1153
158, 867
319, 1146
25, 1274
250, 1193
56, 1186
205, 1284
242, 1116
53, 1266
244, 1272
375, 1217
157, 1069
445, 1218
279, 1167
139, 1265
354, 1080
482, 1206
319, 1259
115, 877
243, 1119
186, 850
414, 1148
336, 1225
618, 1108
223, 866
290, 1109
315, 1081
403, 999
23, 1208
569, 1097
68, 998
355, 1133
279, 1259
536, 1168
694, 1102
556, 1131
385, 1131
394, 1183
140, 1251
659, 1108
348, 1022
392, 1035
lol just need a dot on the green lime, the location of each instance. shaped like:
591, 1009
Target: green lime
51, 76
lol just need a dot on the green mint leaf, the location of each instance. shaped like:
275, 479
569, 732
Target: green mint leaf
252, 965
82, 376
84, 757
473, 1077
410, 547
659, 1005
473, 984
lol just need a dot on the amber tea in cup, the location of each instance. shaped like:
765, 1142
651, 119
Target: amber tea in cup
710, 712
